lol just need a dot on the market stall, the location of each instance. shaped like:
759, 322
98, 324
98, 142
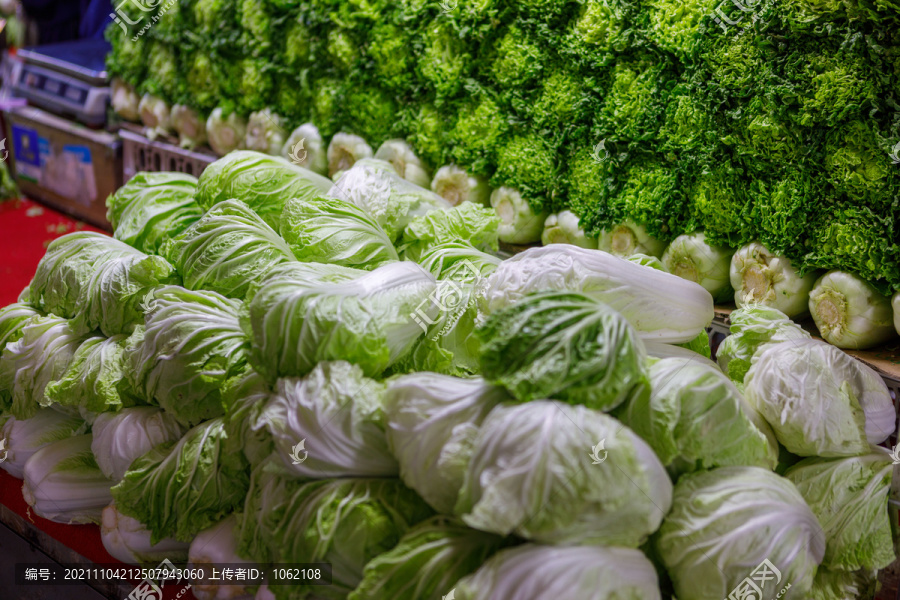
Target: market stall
462, 300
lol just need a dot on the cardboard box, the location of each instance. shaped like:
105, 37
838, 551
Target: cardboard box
62, 163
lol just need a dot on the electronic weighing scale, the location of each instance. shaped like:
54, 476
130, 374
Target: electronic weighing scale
68, 79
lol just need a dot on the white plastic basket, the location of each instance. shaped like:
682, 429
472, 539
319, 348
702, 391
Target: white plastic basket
140, 154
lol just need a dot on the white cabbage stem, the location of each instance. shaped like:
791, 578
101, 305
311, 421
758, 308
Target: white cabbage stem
896, 304
155, 116
629, 238
217, 546
126, 539
265, 132
344, 150
760, 277
306, 148
565, 228
518, 222
190, 127
456, 186
25, 437
125, 101
225, 133
119, 438
692, 258
64, 484
849, 312
404, 160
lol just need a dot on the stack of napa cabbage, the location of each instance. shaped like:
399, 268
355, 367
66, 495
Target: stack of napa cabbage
279, 373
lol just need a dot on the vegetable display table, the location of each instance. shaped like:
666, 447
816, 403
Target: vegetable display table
25, 230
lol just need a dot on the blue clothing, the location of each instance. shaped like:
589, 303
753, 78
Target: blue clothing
65, 20
94, 18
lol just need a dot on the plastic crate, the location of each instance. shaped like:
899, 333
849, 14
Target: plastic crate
141, 154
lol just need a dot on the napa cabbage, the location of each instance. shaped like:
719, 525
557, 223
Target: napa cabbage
333, 419
333, 231
431, 422
152, 207
663, 307
560, 474
191, 345
567, 346
262, 182
819, 400
366, 318
227, 250
724, 523
98, 282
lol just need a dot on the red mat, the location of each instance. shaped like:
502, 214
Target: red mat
26, 228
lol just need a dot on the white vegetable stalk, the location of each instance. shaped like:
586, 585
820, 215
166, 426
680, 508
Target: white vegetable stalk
225, 133
64, 484
190, 127
120, 438
849, 312
127, 540
518, 222
896, 305
125, 101
564, 228
629, 238
404, 160
691, 258
155, 116
760, 277
456, 186
217, 546
344, 150
265, 132
661, 306
306, 148
22, 438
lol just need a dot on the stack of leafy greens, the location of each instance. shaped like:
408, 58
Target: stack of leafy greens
356, 377
753, 121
